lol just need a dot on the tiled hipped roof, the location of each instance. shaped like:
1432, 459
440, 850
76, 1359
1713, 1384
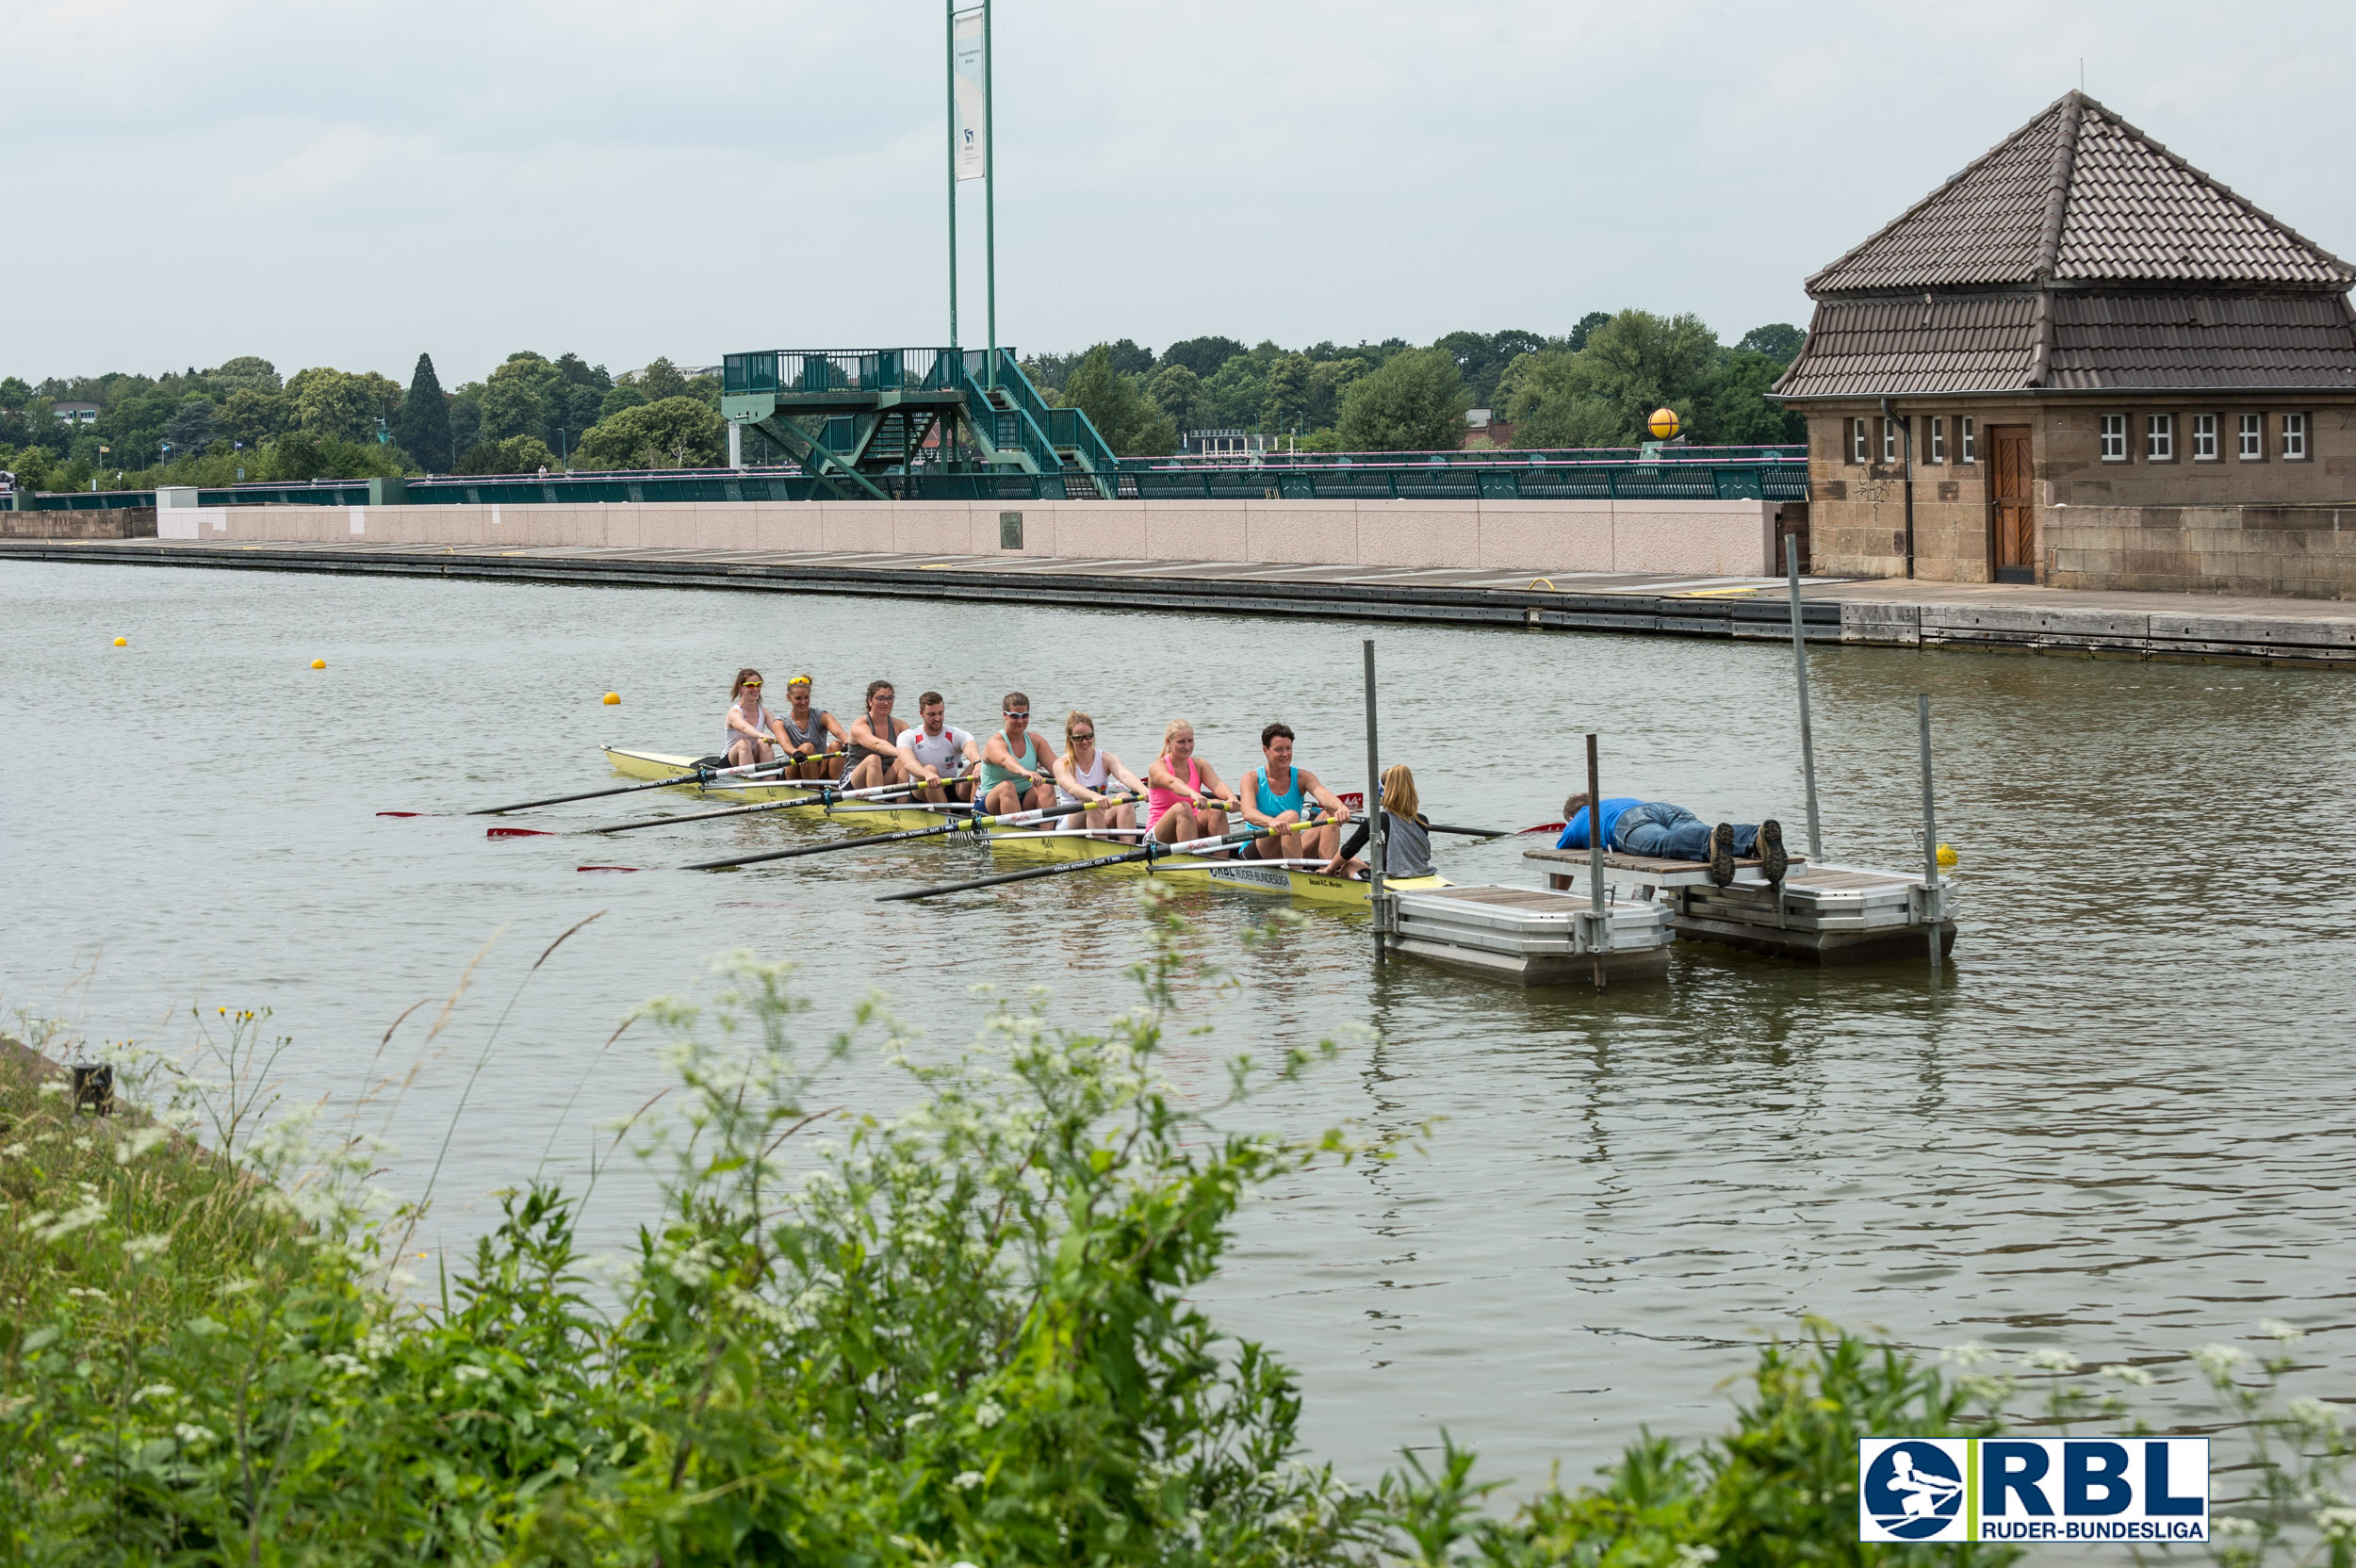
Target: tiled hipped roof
2078, 254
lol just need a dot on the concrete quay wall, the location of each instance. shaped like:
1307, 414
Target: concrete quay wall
1697, 538
2284, 551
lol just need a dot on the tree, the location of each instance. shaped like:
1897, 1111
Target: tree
341, 404
661, 380
1128, 359
1177, 392
1131, 423
624, 394
1329, 379
251, 417
1738, 412
1414, 402
1587, 324
670, 432
14, 393
246, 370
1202, 355
191, 428
421, 428
1291, 393
465, 417
1602, 395
518, 454
510, 406
1779, 340
1235, 394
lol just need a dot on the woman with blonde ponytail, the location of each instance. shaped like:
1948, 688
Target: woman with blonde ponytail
1085, 771
1406, 836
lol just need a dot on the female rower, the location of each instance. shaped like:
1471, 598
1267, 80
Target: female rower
1014, 776
1184, 798
752, 734
809, 732
871, 756
1406, 836
1083, 771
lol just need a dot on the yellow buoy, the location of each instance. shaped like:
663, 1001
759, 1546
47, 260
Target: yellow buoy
1663, 423
612, 698
123, 642
1946, 854
319, 663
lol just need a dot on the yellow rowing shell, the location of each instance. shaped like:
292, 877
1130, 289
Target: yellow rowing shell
1185, 870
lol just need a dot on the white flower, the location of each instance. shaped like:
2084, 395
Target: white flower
470, 1374
2134, 1376
917, 1420
139, 1143
2287, 1334
1690, 1555
194, 1436
2338, 1524
932, 1398
1969, 1353
2218, 1361
147, 1246
154, 1391
52, 1087
967, 1479
94, 1293
14, 1151
2314, 1415
987, 1414
350, 1366
2049, 1358
2228, 1524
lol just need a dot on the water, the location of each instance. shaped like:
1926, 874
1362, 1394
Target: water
2121, 1125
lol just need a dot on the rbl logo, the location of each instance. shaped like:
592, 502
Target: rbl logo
2033, 1488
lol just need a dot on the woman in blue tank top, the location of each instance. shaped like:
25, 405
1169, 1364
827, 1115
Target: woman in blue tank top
1301, 798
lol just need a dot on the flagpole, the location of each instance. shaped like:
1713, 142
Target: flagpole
990, 187
949, 9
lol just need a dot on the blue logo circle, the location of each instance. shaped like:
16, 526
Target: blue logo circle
1913, 1489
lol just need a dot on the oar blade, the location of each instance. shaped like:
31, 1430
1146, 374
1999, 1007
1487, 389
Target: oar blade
518, 833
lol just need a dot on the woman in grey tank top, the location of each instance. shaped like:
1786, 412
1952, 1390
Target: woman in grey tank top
810, 730
1406, 839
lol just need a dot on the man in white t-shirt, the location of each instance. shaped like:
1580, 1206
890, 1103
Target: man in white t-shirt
937, 754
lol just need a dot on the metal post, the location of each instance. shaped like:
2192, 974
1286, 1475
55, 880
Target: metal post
949, 140
1595, 862
1374, 814
990, 189
1931, 911
1799, 661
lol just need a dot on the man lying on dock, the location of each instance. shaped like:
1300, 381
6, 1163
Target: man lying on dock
1665, 832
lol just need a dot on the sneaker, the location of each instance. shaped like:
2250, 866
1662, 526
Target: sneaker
1721, 854
1772, 858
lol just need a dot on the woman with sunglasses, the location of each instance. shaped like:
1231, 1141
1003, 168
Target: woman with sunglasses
809, 732
752, 733
1083, 772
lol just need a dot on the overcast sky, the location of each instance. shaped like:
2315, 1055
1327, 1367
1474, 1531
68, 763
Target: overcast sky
191, 180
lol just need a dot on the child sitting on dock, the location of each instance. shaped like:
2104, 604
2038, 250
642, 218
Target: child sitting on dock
1664, 832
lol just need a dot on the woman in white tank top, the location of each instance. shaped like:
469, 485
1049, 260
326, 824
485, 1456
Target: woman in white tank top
1085, 772
752, 733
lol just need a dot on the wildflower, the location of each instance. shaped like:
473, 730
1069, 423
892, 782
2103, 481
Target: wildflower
154, 1391
987, 1414
146, 1246
932, 1398
2218, 1362
52, 1087
2287, 1334
1691, 1555
1969, 1353
470, 1374
917, 1420
967, 1479
2047, 1358
193, 1435
92, 1292
2314, 1415
56, 1227
139, 1143
350, 1366
2338, 1525
2134, 1376
14, 1151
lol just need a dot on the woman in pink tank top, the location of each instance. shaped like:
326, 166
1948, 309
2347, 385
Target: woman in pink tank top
1184, 798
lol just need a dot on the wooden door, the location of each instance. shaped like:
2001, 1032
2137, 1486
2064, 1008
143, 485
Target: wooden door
2012, 518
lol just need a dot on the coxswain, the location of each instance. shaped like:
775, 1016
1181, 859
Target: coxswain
1406, 836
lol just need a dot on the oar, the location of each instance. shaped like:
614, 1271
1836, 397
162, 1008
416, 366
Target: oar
826, 794
705, 772
970, 825
1150, 852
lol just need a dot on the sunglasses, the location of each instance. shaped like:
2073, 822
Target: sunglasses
1015, 713
750, 684
1084, 734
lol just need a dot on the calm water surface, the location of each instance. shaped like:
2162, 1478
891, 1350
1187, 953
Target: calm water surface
2122, 1125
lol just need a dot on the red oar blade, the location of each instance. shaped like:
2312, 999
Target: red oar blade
409, 813
1544, 827
517, 833
607, 867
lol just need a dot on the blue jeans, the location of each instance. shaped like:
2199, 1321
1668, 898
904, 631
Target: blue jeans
1668, 832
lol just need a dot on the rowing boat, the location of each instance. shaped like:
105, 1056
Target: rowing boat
1244, 876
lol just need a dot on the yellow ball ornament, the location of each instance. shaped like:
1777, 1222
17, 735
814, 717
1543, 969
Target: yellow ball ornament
1947, 857
319, 663
123, 642
613, 698
1663, 423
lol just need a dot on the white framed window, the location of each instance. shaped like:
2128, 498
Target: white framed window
1939, 438
1857, 440
2114, 438
2159, 438
1889, 440
2205, 449
2294, 437
1966, 440
2253, 437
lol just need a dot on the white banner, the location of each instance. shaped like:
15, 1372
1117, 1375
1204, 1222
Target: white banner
968, 129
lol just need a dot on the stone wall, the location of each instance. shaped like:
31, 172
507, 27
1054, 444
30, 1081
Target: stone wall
1700, 538
2296, 551
129, 522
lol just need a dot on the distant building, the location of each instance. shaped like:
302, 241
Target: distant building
75, 412
2078, 320
1483, 429
1233, 444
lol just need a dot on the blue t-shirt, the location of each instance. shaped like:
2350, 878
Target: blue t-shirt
1575, 831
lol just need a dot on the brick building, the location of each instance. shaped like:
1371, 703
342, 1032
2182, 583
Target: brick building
2092, 365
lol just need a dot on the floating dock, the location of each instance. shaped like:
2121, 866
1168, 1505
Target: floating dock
1825, 914
1532, 937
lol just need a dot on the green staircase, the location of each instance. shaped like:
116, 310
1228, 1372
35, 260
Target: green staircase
857, 419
